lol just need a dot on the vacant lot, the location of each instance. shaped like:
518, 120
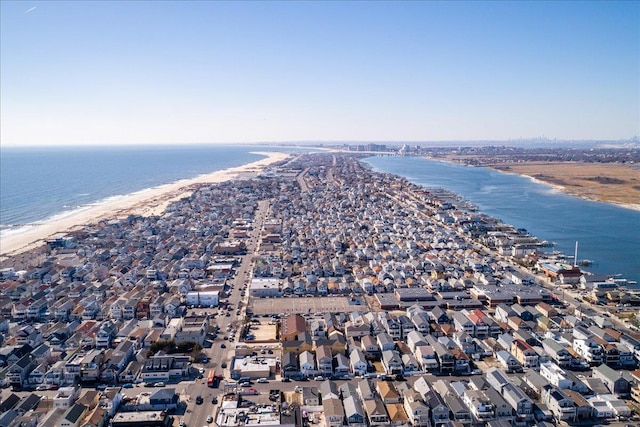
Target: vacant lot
264, 332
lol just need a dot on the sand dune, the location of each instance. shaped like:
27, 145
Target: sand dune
147, 203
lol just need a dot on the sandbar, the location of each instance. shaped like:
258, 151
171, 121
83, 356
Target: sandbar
145, 203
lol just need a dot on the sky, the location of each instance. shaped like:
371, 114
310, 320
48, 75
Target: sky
145, 72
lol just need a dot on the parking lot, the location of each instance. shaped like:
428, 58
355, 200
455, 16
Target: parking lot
260, 306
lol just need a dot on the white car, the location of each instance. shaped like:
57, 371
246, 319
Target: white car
209, 418
263, 380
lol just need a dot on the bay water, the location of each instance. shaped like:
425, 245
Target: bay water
607, 234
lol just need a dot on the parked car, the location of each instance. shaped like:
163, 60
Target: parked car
159, 384
263, 380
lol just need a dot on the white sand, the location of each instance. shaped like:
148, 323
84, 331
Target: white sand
147, 203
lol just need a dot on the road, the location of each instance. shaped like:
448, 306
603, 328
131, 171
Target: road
196, 415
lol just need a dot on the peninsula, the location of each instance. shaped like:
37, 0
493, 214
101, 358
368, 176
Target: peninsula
311, 290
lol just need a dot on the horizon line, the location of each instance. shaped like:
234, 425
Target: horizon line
541, 139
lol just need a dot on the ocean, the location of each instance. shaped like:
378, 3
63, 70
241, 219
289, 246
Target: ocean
40, 184
607, 234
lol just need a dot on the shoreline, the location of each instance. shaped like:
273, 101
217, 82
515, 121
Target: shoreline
555, 187
148, 202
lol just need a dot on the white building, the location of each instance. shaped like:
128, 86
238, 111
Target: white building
264, 287
555, 375
203, 298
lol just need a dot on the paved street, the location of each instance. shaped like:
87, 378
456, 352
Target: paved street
196, 415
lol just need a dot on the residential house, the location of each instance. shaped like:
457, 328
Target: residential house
519, 401
446, 361
291, 327
358, 362
392, 362
415, 339
366, 390
438, 407
341, 365
324, 360
307, 364
376, 412
614, 380
508, 361
370, 348
584, 410
290, 367
353, 411
561, 406
410, 364
591, 351
397, 416
416, 409
334, 413
385, 342
329, 390
481, 407
525, 354
557, 352
388, 393
310, 396
426, 357
480, 326
501, 409
19, 371
439, 316
165, 368
463, 323
73, 416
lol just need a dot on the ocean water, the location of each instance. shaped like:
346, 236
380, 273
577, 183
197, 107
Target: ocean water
38, 184
606, 234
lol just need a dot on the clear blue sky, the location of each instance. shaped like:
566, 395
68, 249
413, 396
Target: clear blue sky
170, 72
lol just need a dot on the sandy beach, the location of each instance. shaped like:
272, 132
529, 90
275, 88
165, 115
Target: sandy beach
147, 203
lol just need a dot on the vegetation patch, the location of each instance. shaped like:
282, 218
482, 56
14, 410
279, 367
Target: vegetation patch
605, 180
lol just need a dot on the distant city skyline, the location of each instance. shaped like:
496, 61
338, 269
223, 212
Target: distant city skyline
96, 73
